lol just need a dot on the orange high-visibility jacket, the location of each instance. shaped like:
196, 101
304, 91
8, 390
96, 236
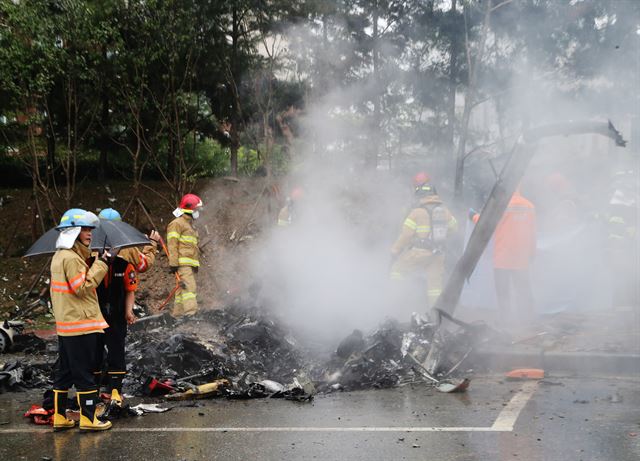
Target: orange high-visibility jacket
73, 292
515, 235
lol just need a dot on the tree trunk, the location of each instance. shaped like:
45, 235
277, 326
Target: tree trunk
371, 156
453, 70
104, 136
235, 85
469, 102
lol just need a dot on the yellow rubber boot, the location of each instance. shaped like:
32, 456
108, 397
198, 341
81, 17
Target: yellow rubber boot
88, 419
116, 397
115, 383
60, 421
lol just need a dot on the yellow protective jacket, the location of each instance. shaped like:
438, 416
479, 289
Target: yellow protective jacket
417, 226
73, 292
284, 217
182, 242
141, 260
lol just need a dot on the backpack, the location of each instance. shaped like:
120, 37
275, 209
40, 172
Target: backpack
439, 224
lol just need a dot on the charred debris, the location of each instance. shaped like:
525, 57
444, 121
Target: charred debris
244, 353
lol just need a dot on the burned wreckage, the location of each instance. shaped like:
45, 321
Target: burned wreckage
248, 354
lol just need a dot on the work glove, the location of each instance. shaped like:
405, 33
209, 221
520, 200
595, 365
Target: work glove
173, 269
154, 237
195, 270
108, 256
472, 213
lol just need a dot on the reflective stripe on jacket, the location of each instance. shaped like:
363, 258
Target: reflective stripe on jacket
182, 242
73, 292
141, 260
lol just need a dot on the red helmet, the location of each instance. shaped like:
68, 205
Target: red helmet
296, 193
190, 202
420, 178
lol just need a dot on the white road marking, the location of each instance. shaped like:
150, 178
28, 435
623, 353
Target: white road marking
274, 429
505, 422
509, 414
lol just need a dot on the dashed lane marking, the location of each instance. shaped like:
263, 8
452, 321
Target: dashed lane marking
509, 414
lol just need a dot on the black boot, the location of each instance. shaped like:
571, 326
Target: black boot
60, 421
88, 419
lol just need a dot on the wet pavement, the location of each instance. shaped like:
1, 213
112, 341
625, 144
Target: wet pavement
560, 418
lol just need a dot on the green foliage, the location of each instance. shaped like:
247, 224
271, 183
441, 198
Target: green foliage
130, 82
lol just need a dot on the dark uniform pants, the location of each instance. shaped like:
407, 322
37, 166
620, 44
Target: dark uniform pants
77, 359
114, 338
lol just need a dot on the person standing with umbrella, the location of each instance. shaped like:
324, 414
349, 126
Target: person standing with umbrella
79, 321
116, 296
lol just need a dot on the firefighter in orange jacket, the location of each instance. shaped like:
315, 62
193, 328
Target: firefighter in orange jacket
514, 249
79, 321
116, 296
419, 251
184, 254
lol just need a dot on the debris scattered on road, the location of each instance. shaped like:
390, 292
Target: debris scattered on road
16, 376
150, 408
525, 373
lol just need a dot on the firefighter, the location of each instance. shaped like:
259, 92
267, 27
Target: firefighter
79, 322
288, 213
184, 255
419, 251
514, 249
142, 260
116, 296
622, 239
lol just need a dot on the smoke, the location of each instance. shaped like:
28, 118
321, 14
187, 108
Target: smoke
329, 271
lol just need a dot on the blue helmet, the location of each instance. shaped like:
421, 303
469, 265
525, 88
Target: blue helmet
109, 214
77, 217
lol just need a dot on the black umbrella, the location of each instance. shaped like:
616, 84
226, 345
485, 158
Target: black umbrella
109, 234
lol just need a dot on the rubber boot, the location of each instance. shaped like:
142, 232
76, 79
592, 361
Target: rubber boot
116, 388
88, 419
60, 420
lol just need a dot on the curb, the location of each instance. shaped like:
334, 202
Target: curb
582, 363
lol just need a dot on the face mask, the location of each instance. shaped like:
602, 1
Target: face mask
195, 214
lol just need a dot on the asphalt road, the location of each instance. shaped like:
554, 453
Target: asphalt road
560, 418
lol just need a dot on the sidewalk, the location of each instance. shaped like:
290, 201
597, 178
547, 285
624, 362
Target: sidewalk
569, 342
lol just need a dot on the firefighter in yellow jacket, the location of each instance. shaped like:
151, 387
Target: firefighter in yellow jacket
288, 213
79, 321
418, 252
184, 254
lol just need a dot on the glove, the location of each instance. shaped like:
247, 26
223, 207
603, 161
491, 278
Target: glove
154, 237
173, 269
472, 213
108, 256
195, 270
